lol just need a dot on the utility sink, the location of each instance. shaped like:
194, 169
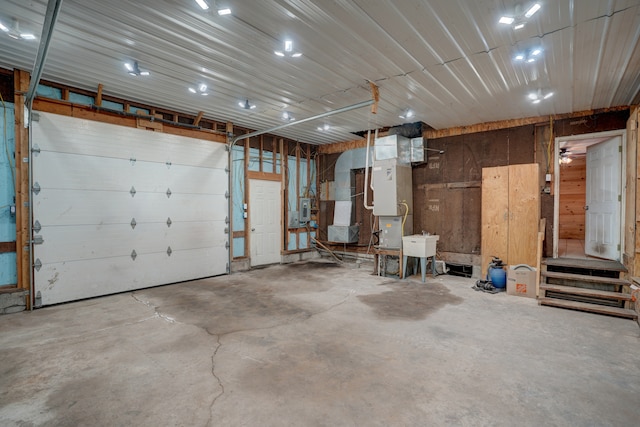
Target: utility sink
418, 245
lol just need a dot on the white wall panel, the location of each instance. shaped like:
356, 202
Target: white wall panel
85, 208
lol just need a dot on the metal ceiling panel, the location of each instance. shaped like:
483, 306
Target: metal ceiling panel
449, 61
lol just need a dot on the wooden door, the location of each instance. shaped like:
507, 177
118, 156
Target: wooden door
603, 208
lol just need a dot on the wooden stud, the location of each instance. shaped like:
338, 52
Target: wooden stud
247, 223
98, 100
196, 122
284, 194
375, 94
23, 194
65, 94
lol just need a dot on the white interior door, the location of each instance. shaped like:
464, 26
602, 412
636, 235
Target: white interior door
120, 208
603, 199
265, 221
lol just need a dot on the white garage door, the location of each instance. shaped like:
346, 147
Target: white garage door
119, 208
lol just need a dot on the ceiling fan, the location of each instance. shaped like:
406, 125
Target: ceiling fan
134, 69
15, 33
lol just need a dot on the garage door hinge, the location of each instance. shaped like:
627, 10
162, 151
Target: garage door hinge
226, 230
168, 192
226, 220
35, 117
226, 194
169, 251
134, 255
226, 245
226, 170
132, 160
226, 147
169, 222
132, 191
36, 188
36, 226
133, 223
168, 163
35, 149
37, 240
37, 265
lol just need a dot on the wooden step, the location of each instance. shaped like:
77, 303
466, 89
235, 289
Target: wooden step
584, 278
587, 264
592, 308
585, 292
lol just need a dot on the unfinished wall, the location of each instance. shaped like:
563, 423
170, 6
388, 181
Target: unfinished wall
446, 187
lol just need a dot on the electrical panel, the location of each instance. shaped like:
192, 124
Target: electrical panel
305, 210
294, 219
392, 185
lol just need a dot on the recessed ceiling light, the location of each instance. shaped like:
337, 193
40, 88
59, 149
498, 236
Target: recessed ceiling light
4, 28
287, 116
278, 53
202, 87
225, 11
518, 26
549, 95
192, 90
288, 45
407, 114
203, 4
296, 55
533, 96
519, 57
506, 20
128, 66
532, 10
536, 52
536, 101
324, 128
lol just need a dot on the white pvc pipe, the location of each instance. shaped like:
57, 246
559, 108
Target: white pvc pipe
374, 152
366, 172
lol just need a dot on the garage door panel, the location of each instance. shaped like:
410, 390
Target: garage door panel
85, 208
113, 240
69, 171
77, 136
63, 207
85, 279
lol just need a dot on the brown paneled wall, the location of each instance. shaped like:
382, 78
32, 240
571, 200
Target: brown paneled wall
572, 199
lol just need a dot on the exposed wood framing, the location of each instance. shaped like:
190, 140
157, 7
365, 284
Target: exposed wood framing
23, 200
6, 247
98, 99
86, 112
503, 124
263, 175
196, 122
247, 223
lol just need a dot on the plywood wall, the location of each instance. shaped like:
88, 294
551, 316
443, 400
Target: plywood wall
572, 199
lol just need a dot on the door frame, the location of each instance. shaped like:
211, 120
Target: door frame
556, 181
249, 238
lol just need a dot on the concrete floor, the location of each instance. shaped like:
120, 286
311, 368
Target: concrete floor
314, 344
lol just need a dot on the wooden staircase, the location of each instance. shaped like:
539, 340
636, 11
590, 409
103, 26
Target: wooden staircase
589, 285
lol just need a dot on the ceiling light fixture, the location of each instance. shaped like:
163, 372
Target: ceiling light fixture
324, 127
286, 116
288, 50
246, 105
15, 33
225, 11
518, 19
538, 96
202, 89
407, 114
532, 10
134, 69
529, 56
564, 156
203, 4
